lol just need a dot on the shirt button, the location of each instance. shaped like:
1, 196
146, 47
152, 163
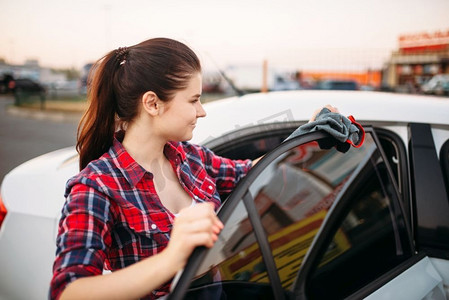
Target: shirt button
153, 226
211, 187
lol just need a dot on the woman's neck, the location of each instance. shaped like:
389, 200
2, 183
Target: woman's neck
145, 148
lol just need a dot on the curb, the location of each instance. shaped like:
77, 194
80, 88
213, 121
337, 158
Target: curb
57, 116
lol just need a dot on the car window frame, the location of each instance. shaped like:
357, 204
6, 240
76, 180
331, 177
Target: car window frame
403, 181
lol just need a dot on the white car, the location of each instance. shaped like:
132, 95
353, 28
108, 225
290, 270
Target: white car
305, 223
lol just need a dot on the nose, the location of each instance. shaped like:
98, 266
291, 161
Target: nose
200, 112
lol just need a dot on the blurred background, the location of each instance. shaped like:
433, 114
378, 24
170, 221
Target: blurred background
390, 45
48, 47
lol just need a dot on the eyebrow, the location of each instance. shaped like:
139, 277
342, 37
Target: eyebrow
196, 96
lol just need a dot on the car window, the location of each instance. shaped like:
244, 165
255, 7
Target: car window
396, 157
292, 196
367, 237
234, 266
253, 141
294, 193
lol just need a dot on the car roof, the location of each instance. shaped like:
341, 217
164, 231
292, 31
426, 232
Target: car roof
224, 116
252, 109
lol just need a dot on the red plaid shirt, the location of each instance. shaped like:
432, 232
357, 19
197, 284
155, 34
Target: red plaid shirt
113, 217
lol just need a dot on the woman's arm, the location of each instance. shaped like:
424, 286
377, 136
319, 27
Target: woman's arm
195, 226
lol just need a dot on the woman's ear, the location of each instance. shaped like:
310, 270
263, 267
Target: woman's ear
150, 103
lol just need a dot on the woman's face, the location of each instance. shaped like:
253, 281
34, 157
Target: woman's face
180, 114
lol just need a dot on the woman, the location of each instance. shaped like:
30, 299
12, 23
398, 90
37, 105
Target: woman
141, 184
137, 174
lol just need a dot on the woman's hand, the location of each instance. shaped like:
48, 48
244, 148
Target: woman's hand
194, 226
328, 106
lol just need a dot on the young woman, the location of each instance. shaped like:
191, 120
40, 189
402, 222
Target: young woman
137, 175
141, 184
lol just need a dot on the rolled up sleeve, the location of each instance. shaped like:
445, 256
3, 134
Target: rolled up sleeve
83, 237
227, 172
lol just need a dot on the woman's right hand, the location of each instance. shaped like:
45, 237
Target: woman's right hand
194, 226
328, 106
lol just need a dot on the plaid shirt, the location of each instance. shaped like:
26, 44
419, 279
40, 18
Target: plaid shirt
113, 217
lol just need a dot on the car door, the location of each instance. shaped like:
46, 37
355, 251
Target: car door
380, 261
308, 222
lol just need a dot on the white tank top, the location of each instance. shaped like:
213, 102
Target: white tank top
191, 205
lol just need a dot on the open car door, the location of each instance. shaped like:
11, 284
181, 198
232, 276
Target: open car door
312, 223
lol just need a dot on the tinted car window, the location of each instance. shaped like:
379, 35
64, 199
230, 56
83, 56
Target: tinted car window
293, 195
234, 267
252, 142
369, 236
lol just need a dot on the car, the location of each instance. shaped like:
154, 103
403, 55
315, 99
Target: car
26, 85
307, 222
4, 83
442, 88
445, 88
437, 85
338, 84
26, 88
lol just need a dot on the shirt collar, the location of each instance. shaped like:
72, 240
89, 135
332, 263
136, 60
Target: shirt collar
131, 170
172, 150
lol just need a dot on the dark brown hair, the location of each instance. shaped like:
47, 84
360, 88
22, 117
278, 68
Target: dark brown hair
118, 81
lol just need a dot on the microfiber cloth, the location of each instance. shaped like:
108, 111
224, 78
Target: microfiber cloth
345, 130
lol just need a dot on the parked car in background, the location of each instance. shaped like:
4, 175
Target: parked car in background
25, 89
333, 84
445, 88
26, 86
4, 83
307, 222
437, 85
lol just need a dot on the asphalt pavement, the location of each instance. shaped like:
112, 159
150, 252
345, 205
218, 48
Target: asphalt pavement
27, 133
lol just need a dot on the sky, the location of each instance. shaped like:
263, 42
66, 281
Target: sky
300, 34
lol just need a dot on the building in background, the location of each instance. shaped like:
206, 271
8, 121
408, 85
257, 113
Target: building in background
420, 57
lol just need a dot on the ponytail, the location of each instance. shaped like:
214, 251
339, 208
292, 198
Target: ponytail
97, 126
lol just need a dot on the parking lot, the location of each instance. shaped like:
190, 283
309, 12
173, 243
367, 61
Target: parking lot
23, 137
